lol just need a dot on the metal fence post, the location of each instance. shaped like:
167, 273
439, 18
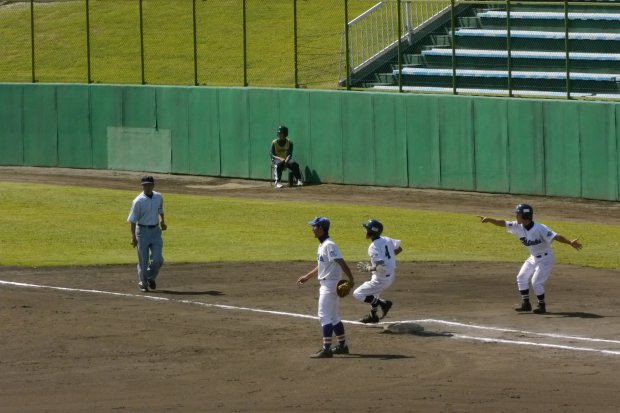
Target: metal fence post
34, 78
195, 46
141, 44
245, 52
295, 43
453, 41
88, 76
509, 48
400, 63
346, 43
566, 47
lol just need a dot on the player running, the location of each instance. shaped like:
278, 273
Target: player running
537, 238
382, 252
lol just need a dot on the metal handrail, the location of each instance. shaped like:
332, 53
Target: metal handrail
375, 31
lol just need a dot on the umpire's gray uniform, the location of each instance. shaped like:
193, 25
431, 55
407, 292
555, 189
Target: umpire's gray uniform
144, 216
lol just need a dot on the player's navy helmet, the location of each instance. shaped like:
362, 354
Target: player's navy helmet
525, 210
373, 227
282, 129
322, 222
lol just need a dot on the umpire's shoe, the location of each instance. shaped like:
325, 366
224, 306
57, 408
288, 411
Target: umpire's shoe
541, 309
340, 349
370, 318
525, 306
385, 308
322, 354
143, 287
152, 285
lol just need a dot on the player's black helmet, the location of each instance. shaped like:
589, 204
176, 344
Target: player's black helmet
525, 210
282, 129
322, 222
373, 227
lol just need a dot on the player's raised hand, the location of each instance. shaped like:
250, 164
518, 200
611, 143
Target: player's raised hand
576, 244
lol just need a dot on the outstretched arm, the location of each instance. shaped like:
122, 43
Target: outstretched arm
573, 243
498, 222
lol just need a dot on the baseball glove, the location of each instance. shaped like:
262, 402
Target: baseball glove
344, 287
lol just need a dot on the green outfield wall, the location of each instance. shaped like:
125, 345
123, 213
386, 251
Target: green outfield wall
521, 146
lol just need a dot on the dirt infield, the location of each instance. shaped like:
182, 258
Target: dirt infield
236, 337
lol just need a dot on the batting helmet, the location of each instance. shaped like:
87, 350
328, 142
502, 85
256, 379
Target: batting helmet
322, 222
525, 210
373, 227
282, 129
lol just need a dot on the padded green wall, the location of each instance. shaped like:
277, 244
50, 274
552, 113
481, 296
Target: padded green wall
520, 146
11, 131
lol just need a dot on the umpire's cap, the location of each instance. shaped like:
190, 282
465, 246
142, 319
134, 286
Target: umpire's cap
525, 210
147, 179
373, 227
282, 129
322, 222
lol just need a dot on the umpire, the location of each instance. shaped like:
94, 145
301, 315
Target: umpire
146, 228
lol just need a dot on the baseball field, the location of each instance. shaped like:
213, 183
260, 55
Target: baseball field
229, 330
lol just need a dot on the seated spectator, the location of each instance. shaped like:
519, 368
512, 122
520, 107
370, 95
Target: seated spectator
281, 156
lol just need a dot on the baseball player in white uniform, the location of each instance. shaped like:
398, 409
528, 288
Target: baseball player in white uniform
330, 266
537, 238
382, 252
146, 227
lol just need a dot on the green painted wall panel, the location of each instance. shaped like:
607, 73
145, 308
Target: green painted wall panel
11, 131
264, 114
423, 153
456, 142
40, 125
561, 148
599, 161
173, 115
491, 145
326, 136
74, 139
562, 157
139, 107
295, 114
234, 132
358, 139
204, 132
106, 110
526, 159
390, 140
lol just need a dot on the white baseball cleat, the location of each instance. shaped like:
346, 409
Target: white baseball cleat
278, 185
299, 183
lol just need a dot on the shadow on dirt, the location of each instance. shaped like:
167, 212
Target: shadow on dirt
171, 292
577, 314
378, 356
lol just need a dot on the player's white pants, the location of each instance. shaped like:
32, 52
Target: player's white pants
329, 303
374, 286
536, 269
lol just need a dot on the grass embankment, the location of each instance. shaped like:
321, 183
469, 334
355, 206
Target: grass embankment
61, 49
59, 225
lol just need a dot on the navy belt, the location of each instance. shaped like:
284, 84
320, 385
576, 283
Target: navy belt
147, 226
542, 255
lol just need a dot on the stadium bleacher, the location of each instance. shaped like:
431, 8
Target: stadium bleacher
537, 65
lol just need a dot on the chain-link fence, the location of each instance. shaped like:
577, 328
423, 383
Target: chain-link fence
514, 48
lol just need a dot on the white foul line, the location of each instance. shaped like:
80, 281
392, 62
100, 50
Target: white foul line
452, 323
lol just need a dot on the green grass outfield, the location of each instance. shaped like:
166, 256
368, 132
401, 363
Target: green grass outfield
48, 225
